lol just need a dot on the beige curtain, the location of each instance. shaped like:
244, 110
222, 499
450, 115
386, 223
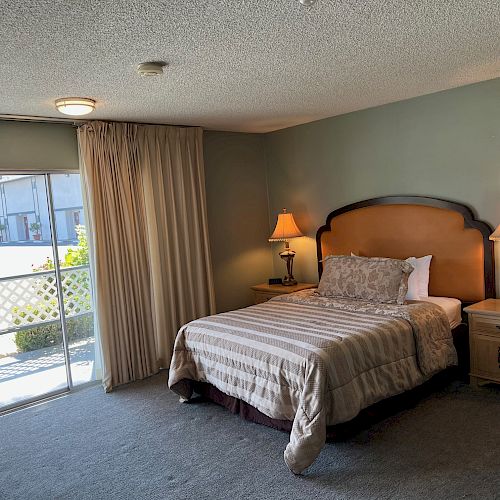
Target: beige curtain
145, 192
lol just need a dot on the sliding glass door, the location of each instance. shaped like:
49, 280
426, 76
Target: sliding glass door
72, 249
47, 343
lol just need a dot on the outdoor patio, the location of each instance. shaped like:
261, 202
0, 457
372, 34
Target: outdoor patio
26, 375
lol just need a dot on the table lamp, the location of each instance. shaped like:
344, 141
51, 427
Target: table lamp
285, 229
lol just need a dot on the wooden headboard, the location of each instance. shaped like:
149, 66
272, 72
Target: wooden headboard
402, 226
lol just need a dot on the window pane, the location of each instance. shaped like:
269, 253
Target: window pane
32, 361
75, 274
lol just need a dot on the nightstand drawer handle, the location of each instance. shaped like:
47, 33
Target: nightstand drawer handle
498, 358
497, 326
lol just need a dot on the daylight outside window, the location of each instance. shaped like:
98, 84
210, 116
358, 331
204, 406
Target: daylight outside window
47, 342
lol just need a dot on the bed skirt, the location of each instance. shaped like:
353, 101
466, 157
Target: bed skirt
367, 417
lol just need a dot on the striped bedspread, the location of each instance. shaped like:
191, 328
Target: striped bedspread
313, 360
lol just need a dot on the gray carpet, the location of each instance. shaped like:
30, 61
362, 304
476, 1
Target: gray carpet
139, 442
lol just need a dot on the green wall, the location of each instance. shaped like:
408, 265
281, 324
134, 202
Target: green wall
445, 145
26, 146
238, 217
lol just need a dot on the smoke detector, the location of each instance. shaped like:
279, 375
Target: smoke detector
151, 68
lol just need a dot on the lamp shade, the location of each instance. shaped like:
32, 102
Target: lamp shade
286, 228
495, 236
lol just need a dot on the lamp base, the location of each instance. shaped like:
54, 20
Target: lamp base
289, 281
287, 255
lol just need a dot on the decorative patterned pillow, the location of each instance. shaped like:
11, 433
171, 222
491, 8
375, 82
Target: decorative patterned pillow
377, 279
418, 281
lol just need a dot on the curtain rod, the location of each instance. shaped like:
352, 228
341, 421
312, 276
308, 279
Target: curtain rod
77, 123
40, 119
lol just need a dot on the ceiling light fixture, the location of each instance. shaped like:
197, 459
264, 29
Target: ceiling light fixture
307, 3
75, 106
151, 68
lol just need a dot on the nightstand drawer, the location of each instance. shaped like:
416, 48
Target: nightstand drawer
263, 297
486, 326
486, 357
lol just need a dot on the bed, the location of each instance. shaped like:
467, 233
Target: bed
306, 361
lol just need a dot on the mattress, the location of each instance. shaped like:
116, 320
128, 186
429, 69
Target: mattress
452, 308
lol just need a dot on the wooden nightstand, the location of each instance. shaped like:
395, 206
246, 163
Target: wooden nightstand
484, 340
264, 292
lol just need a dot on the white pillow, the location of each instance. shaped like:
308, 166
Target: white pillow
418, 281
413, 281
422, 268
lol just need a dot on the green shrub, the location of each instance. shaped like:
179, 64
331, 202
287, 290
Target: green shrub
78, 256
38, 337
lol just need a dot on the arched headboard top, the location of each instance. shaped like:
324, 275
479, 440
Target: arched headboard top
402, 226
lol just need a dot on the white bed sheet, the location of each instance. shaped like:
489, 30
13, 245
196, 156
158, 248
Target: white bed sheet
452, 308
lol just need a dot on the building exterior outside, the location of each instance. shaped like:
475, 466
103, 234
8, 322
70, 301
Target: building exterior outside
23, 209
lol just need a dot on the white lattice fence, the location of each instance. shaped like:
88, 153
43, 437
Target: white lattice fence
31, 299
76, 289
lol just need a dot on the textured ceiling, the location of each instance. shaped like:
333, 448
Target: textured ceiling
243, 65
